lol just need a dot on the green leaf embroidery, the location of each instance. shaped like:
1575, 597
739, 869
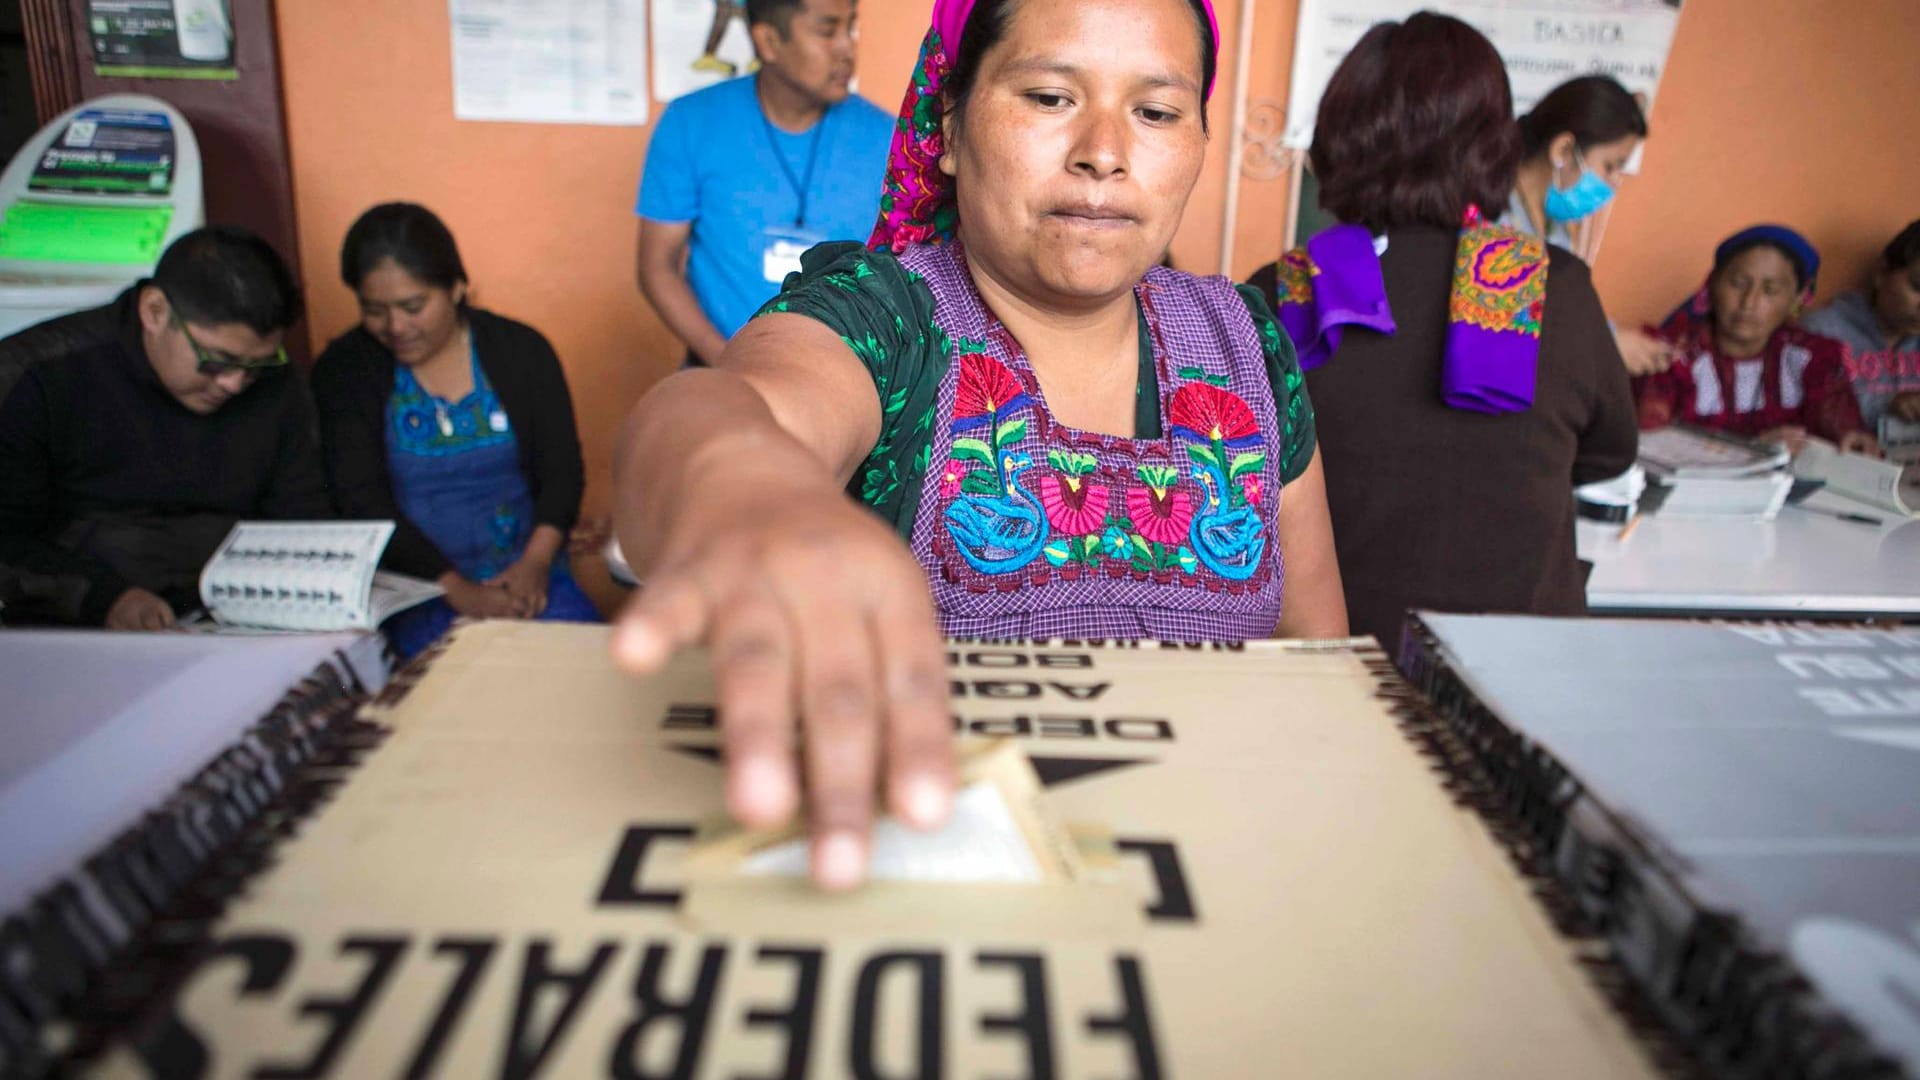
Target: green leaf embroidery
1009, 433
1250, 461
1203, 455
1142, 553
973, 450
1159, 476
980, 482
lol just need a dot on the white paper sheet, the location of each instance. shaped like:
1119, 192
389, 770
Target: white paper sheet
296, 575
981, 843
1544, 42
550, 61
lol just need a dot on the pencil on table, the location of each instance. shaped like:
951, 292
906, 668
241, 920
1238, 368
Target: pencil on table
1632, 524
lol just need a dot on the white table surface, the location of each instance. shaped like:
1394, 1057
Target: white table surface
1801, 564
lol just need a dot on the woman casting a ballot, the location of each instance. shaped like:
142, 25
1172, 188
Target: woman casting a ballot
998, 418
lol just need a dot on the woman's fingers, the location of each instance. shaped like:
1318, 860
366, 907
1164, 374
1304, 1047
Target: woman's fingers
840, 712
918, 722
752, 656
666, 615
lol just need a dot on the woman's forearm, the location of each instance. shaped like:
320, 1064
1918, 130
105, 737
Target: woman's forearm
696, 445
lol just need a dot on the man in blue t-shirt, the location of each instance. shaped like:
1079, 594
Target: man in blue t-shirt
744, 176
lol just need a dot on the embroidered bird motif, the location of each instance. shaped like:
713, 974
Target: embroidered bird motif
1000, 533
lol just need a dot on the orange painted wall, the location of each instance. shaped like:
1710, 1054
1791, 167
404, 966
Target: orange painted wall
1795, 110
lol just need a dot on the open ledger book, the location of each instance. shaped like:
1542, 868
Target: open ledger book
1885, 485
1701, 471
306, 575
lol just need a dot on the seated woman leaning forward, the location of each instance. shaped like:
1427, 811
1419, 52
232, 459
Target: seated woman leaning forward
1746, 365
1000, 418
1462, 371
456, 424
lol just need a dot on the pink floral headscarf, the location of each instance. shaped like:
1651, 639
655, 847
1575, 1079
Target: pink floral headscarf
916, 205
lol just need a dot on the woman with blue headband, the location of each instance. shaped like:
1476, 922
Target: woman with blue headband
1745, 364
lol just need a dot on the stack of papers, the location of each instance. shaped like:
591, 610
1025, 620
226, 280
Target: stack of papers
1711, 472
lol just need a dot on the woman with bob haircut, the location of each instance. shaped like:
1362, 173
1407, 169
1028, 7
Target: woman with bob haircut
1462, 372
997, 418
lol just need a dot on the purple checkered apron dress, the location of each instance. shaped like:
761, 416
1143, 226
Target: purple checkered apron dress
1030, 529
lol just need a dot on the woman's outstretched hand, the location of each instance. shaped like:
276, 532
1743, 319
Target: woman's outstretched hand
829, 663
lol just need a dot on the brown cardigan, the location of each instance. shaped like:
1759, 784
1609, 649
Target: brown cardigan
1455, 511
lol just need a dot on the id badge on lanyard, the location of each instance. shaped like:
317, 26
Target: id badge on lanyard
781, 251
782, 245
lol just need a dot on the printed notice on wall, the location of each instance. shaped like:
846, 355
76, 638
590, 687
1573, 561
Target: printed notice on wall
1544, 42
550, 61
161, 39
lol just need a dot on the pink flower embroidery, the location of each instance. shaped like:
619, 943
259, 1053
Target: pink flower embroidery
950, 480
1250, 487
1159, 514
1076, 507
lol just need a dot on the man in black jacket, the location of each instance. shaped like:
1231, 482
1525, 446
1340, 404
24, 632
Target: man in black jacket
133, 436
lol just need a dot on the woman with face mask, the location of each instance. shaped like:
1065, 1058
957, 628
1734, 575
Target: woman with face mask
998, 418
1577, 142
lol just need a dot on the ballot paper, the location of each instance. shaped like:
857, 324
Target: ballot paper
1277, 883
305, 576
1002, 831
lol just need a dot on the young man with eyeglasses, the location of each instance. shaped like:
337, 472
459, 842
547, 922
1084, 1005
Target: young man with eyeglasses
133, 442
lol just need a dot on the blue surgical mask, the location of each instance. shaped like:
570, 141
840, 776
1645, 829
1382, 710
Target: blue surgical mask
1588, 194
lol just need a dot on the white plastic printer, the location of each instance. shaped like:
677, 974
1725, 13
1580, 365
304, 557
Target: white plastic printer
90, 202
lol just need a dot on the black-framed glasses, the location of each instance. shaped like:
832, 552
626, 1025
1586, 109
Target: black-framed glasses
213, 362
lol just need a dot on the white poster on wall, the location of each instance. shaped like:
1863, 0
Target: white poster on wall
697, 43
1544, 42
550, 61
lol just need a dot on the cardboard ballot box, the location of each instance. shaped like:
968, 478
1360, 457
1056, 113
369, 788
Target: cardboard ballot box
1271, 881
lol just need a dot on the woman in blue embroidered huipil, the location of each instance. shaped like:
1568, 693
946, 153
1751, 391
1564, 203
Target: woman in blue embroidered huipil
1000, 401
456, 424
